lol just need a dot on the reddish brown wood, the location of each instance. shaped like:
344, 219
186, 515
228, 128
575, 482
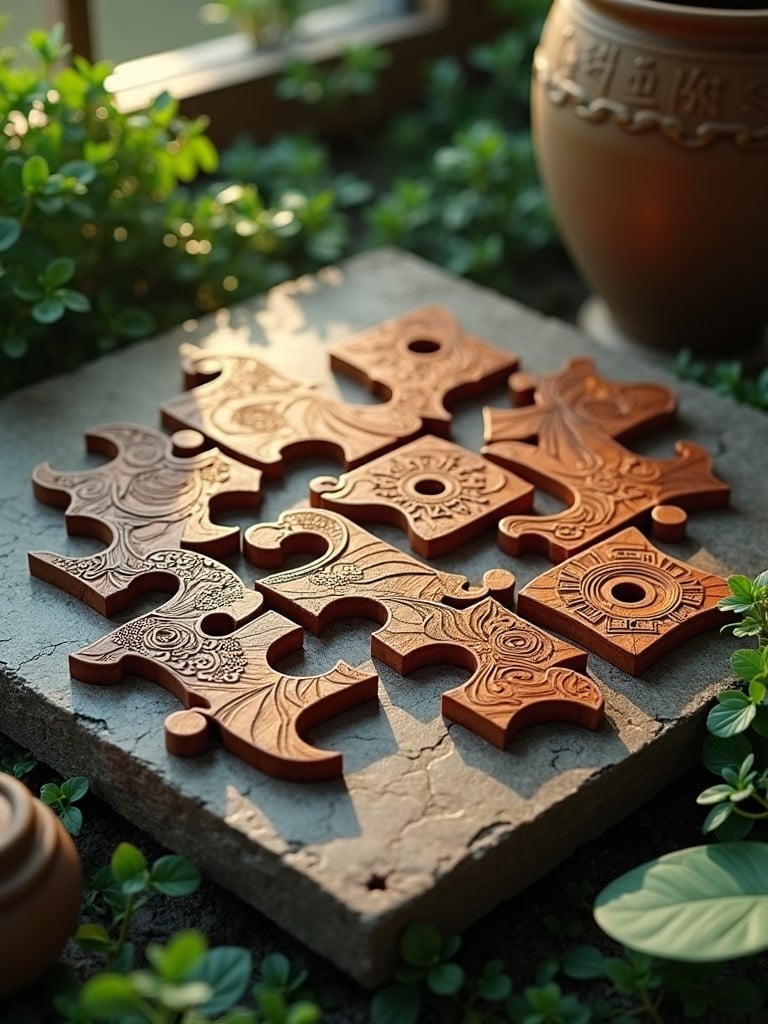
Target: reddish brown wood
263, 418
576, 420
226, 682
440, 494
425, 361
519, 674
668, 523
625, 600
144, 500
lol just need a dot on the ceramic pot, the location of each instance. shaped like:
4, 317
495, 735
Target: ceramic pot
650, 124
40, 886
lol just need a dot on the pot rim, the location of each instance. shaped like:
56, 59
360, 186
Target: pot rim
710, 18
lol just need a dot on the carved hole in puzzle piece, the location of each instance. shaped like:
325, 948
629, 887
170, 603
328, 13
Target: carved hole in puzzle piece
424, 346
625, 600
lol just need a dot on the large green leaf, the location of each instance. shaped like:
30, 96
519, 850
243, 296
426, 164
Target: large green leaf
703, 904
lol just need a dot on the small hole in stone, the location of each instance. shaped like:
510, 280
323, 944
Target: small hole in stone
376, 882
628, 593
426, 345
429, 486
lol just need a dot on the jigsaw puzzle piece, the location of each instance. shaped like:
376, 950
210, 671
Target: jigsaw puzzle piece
226, 682
519, 674
425, 360
147, 498
264, 418
625, 600
441, 494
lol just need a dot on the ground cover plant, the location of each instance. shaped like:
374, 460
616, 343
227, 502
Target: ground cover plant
689, 925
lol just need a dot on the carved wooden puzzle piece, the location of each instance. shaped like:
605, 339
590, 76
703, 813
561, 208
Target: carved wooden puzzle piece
264, 418
519, 674
146, 499
625, 600
226, 681
440, 493
426, 361
576, 458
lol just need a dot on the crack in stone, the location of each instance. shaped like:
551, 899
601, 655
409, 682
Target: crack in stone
46, 652
487, 831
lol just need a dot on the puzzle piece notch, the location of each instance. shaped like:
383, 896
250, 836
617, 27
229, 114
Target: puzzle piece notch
625, 600
147, 498
227, 681
264, 419
356, 574
440, 494
577, 459
425, 360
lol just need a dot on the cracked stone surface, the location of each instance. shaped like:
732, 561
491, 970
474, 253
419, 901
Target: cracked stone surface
430, 822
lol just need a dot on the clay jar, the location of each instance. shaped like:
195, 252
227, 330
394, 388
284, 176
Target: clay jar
650, 124
40, 886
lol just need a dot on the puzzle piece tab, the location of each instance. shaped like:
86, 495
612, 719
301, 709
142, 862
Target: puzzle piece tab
146, 499
226, 681
625, 600
263, 418
578, 460
519, 674
425, 360
441, 494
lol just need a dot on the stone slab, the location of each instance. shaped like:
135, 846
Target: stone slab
430, 822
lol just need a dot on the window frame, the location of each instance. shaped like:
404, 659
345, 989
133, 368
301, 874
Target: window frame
243, 79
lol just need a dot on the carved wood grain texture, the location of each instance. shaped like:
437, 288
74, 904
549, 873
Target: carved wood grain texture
519, 675
225, 680
440, 494
575, 422
147, 498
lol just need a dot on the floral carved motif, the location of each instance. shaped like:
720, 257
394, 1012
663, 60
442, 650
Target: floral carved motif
519, 674
146, 499
577, 459
441, 494
625, 600
226, 681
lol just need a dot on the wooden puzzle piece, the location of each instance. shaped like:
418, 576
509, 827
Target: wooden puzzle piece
425, 360
441, 494
625, 600
146, 499
620, 409
578, 460
263, 418
519, 674
226, 681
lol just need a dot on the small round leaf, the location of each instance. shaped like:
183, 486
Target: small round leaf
10, 230
724, 720
227, 969
174, 876
445, 979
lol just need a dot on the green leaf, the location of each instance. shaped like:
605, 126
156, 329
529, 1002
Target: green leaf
27, 291
703, 904
747, 663
303, 1013
227, 969
34, 173
741, 588
10, 230
445, 979
715, 794
734, 828
724, 720
583, 962
109, 996
495, 988
275, 970
58, 272
182, 954
50, 793
129, 867
74, 301
396, 1004
717, 817
83, 170
72, 820
421, 944
721, 753
133, 322
94, 937
48, 311
75, 788
174, 876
